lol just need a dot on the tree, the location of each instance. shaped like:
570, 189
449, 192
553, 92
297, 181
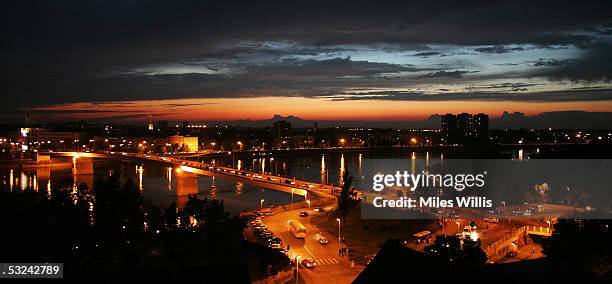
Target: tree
460, 254
580, 244
542, 189
348, 196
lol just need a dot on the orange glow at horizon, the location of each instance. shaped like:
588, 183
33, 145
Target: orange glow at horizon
307, 108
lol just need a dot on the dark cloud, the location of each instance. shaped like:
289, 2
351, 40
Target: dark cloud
58, 52
427, 54
595, 66
503, 86
498, 49
447, 74
552, 62
331, 69
551, 96
70, 111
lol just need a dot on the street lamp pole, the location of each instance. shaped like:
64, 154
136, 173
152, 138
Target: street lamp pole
339, 238
297, 269
458, 224
261, 204
292, 191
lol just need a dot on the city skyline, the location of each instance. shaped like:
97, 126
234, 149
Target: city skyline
316, 61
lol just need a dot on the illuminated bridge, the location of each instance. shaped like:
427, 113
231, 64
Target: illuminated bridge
84, 164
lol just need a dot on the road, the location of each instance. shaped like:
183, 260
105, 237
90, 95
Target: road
331, 268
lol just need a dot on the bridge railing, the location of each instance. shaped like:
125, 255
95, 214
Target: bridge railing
539, 230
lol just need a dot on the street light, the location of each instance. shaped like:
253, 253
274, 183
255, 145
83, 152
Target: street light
308, 201
458, 224
338, 219
261, 204
292, 191
297, 269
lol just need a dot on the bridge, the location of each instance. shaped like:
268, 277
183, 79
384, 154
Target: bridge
83, 164
517, 237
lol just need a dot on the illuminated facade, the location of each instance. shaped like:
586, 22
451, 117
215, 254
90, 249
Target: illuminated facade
185, 143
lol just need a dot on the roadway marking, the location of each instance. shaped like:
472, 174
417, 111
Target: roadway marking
326, 261
309, 251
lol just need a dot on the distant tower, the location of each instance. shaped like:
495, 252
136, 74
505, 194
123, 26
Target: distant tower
150, 122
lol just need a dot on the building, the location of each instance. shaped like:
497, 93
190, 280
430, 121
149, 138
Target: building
43, 136
464, 125
449, 128
281, 129
481, 126
185, 143
464, 128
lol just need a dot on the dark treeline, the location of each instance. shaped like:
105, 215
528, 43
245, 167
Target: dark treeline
112, 231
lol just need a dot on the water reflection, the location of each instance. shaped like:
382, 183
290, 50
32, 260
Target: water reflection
413, 162
186, 184
263, 165
169, 178
360, 164
239, 186
342, 169
160, 184
140, 170
11, 177
323, 170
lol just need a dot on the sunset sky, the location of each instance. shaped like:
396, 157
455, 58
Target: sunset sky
196, 60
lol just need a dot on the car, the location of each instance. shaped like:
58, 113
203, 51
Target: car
303, 214
466, 231
266, 236
491, 219
473, 225
276, 240
309, 262
319, 209
289, 182
275, 246
368, 258
323, 240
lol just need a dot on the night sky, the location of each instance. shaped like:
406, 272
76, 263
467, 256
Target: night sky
200, 60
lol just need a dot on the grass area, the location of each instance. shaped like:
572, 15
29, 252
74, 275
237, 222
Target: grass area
366, 237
